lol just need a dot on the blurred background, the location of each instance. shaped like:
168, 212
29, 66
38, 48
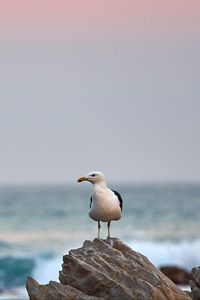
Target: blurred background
97, 85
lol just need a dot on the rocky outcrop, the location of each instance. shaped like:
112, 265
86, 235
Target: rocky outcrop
195, 283
107, 270
176, 274
54, 291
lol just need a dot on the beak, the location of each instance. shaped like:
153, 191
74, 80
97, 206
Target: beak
82, 179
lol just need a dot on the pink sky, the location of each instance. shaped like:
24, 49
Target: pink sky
58, 18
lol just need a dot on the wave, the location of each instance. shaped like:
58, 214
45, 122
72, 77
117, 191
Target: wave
14, 270
14, 294
182, 253
47, 269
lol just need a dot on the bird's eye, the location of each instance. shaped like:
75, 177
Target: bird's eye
93, 175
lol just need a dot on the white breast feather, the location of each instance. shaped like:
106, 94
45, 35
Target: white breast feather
105, 205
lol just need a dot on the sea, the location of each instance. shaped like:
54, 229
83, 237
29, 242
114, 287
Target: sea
39, 223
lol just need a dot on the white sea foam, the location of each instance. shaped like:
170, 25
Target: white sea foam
184, 253
47, 269
15, 294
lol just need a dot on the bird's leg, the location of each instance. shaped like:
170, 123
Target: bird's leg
99, 227
109, 229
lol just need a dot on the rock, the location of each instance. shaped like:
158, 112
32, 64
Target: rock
195, 283
54, 291
176, 274
107, 270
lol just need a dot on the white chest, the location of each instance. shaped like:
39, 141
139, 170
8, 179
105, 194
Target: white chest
105, 205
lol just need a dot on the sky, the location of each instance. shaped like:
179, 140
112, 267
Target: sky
99, 85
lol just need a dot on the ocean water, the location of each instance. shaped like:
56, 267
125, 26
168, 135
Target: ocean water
40, 223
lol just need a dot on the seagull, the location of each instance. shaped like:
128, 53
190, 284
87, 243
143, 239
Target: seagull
105, 204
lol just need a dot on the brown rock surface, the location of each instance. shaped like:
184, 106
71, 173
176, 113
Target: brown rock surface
107, 270
54, 291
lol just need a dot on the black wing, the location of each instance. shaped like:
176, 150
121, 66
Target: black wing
120, 199
90, 201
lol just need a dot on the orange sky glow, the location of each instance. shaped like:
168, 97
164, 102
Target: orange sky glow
58, 18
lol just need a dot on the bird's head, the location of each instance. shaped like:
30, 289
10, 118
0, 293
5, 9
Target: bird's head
93, 177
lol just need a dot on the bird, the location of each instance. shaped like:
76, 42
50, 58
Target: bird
105, 204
